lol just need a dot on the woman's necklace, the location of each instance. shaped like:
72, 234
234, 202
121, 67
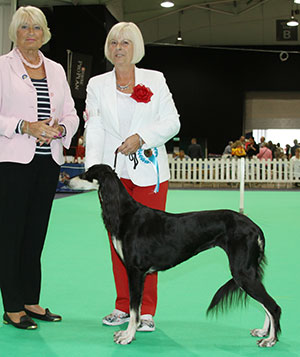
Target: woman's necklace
123, 87
28, 64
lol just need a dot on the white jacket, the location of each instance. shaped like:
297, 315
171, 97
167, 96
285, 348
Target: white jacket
156, 122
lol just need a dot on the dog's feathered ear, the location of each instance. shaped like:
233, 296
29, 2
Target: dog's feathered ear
110, 202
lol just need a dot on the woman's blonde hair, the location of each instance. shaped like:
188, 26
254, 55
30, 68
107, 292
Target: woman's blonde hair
128, 31
22, 15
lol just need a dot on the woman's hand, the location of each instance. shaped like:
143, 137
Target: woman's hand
131, 145
59, 128
42, 130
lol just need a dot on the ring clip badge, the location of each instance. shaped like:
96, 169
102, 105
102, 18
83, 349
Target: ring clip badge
149, 156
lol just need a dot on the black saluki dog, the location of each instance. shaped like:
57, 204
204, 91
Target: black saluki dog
149, 240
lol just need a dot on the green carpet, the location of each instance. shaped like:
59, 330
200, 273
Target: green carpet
78, 283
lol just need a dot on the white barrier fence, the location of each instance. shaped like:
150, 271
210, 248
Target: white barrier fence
228, 170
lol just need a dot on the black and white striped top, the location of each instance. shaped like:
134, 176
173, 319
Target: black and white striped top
43, 109
43, 112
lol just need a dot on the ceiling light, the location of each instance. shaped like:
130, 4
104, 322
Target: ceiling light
292, 22
179, 39
168, 3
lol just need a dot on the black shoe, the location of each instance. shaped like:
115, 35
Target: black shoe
48, 316
26, 323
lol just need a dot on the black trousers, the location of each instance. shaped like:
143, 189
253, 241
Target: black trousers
26, 196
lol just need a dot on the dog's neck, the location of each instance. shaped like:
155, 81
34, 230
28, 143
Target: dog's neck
116, 203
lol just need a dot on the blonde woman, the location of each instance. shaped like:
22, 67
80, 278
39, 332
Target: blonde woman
132, 110
37, 119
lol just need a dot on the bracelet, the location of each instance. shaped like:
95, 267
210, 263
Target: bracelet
25, 128
22, 127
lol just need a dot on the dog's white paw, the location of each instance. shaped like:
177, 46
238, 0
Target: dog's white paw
267, 342
259, 332
123, 337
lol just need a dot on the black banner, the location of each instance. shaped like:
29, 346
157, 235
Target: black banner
80, 74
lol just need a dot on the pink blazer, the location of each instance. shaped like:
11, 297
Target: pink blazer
18, 100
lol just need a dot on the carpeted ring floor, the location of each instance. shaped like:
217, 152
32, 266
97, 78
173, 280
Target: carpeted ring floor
77, 282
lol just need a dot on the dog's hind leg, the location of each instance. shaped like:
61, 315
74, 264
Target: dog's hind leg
257, 291
136, 284
264, 331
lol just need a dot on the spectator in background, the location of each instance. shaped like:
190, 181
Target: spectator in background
293, 148
243, 141
264, 152
295, 161
272, 147
279, 153
262, 140
227, 150
182, 155
287, 151
238, 149
252, 148
194, 150
296, 157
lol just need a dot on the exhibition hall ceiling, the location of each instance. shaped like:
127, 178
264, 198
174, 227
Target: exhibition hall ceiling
202, 23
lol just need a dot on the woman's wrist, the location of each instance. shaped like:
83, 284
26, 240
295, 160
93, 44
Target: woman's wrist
25, 127
62, 131
141, 141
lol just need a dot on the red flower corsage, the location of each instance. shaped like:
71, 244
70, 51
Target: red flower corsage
141, 94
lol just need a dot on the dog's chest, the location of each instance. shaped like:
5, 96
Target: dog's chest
118, 246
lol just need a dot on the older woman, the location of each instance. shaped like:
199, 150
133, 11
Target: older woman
131, 109
37, 118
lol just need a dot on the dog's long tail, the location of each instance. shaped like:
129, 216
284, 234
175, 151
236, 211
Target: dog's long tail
231, 293
228, 294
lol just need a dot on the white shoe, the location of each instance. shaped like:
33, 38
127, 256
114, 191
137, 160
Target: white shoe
147, 323
117, 317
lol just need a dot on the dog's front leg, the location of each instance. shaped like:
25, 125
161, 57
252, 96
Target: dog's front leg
136, 285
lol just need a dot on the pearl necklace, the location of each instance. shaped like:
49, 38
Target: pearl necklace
123, 87
28, 64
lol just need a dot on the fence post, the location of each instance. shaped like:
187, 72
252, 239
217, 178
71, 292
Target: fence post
242, 184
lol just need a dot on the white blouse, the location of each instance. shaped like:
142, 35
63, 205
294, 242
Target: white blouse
125, 108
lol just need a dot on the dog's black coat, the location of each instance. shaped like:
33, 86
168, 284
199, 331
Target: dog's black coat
153, 240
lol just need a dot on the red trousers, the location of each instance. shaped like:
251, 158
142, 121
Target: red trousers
147, 197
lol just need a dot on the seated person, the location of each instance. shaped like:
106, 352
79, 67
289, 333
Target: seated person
182, 155
228, 148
